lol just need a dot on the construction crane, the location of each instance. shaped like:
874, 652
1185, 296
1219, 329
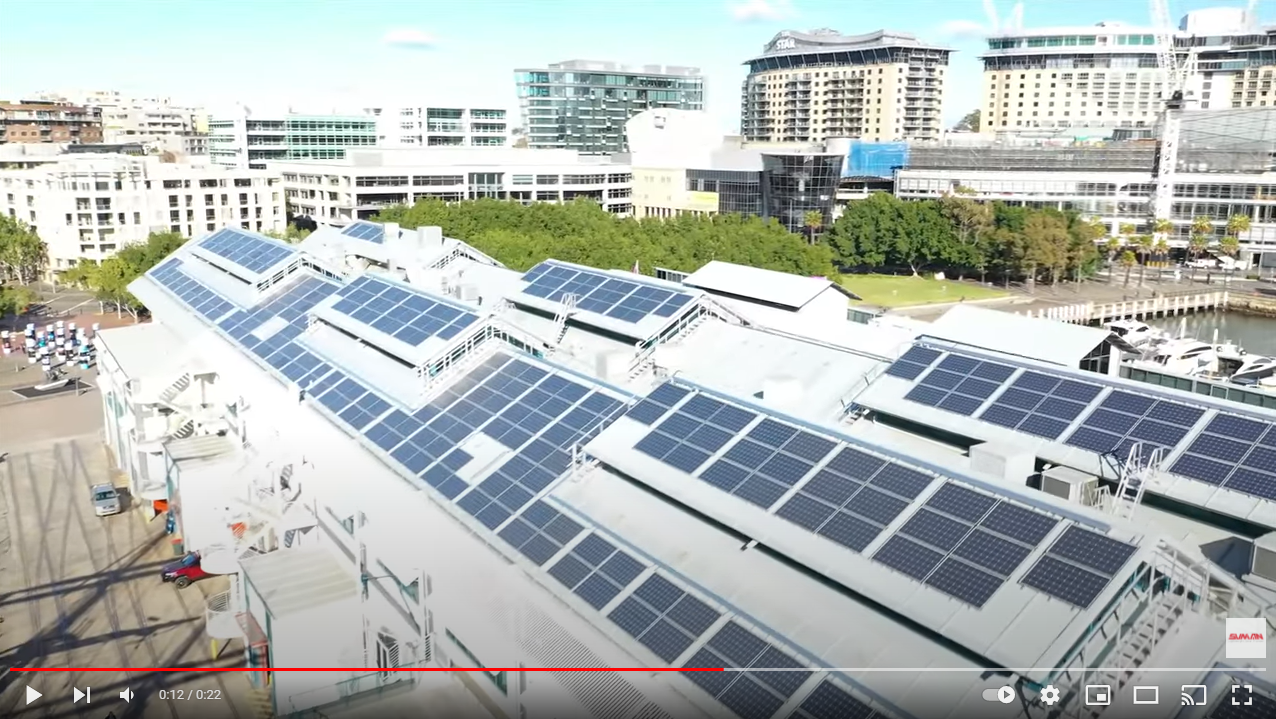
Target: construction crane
1174, 78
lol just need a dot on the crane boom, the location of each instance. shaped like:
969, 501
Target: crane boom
1174, 78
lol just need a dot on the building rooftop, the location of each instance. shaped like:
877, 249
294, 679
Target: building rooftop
776, 288
795, 42
708, 458
606, 66
1060, 343
293, 582
145, 349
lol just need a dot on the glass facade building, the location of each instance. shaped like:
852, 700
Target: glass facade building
251, 142
785, 188
582, 105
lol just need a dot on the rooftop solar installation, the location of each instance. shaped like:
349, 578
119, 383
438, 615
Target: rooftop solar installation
210, 305
602, 294
366, 231
1079, 566
401, 312
251, 252
1100, 416
750, 694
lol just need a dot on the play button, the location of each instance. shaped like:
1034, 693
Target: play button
32, 695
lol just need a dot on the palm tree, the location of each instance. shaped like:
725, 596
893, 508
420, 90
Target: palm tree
1113, 247
813, 220
1162, 250
1196, 246
1143, 245
1230, 245
1128, 260
1161, 230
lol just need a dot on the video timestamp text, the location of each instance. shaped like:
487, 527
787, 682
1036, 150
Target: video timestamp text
184, 694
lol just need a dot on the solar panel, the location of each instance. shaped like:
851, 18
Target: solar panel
251, 252
1079, 565
602, 294
828, 701
1040, 404
913, 363
1123, 418
964, 542
748, 694
663, 617
1243, 703
540, 532
658, 403
596, 570
194, 294
401, 312
1235, 453
366, 231
959, 384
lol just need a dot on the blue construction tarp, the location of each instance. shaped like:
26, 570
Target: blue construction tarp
875, 159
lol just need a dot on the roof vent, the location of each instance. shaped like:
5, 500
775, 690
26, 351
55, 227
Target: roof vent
782, 391
391, 232
611, 366
1070, 485
1264, 562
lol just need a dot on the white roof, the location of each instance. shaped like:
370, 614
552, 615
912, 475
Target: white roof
293, 580
779, 288
143, 350
1046, 340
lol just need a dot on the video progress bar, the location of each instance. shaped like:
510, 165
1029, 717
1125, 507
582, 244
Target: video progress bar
845, 670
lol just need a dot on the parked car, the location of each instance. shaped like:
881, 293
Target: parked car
184, 571
106, 500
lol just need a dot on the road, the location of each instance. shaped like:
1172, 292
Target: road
81, 591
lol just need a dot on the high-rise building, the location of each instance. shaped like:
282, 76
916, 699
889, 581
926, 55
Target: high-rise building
89, 206
583, 105
249, 139
45, 121
440, 126
1105, 77
809, 86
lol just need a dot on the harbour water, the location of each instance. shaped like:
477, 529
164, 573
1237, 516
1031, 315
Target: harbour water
1256, 335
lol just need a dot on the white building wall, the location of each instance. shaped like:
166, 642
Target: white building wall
441, 126
321, 636
90, 207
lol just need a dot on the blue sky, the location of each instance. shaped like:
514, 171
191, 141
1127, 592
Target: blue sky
326, 52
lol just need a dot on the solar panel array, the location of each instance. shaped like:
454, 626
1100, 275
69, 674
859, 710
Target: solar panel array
366, 231
960, 541
624, 300
402, 313
1079, 566
663, 617
750, 694
1235, 453
1041, 405
1232, 452
1123, 418
207, 303
251, 252
291, 304
829, 701
596, 570
965, 543
960, 384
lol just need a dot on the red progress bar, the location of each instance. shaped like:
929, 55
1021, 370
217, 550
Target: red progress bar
358, 669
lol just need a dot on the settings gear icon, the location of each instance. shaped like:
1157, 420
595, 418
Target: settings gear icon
1049, 695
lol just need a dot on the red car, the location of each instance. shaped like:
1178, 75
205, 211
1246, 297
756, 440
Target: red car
184, 571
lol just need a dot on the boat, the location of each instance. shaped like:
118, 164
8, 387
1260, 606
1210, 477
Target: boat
1257, 371
1182, 356
1135, 333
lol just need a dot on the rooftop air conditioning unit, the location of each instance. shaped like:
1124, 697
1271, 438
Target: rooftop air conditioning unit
1264, 559
1071, 485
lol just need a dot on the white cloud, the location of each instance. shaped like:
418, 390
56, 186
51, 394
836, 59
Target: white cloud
409, 38
762, 10
964, 30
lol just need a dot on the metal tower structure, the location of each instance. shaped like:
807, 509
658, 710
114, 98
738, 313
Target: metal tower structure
1174, 77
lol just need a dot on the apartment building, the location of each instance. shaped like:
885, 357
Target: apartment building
440, 126
35, 121
156, 122
245, 138
1092, 80
89, 206
363, 183
583, 105
810, 86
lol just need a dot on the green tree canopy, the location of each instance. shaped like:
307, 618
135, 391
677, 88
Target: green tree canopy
22, 253
109, 280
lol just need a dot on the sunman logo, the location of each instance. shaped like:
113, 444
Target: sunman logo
1247, 638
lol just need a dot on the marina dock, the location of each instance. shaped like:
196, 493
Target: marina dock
1160, 306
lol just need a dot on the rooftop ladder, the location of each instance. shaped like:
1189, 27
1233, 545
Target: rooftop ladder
1142, 464
565, 311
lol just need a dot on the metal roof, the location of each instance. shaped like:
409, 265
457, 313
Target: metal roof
1059, 343
777, 288
200, 448
299, 579
143, 350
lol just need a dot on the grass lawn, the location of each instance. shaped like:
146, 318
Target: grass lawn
905, 291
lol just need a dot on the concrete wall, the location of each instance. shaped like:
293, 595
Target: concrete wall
324, 636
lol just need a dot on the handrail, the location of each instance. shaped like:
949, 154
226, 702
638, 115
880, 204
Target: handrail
346, 690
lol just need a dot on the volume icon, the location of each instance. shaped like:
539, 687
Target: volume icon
127, 694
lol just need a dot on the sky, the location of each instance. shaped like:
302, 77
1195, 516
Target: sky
321, 54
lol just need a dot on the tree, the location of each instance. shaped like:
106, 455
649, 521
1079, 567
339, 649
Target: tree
109, 281
1143, 247
15, 300
1162, 251
1113, 247
1199, 240
969, 123
22, 253
1128, 260
970, 219
82, 275
1230, 245
1045, 243
812, 220
291, 234
1161, 229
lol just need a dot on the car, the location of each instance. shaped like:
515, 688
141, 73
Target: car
106, 500
184, 571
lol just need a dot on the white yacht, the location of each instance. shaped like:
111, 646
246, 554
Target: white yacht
1137, 334
1183, 356
1256, 371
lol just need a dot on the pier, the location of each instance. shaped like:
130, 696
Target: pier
1162, 306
